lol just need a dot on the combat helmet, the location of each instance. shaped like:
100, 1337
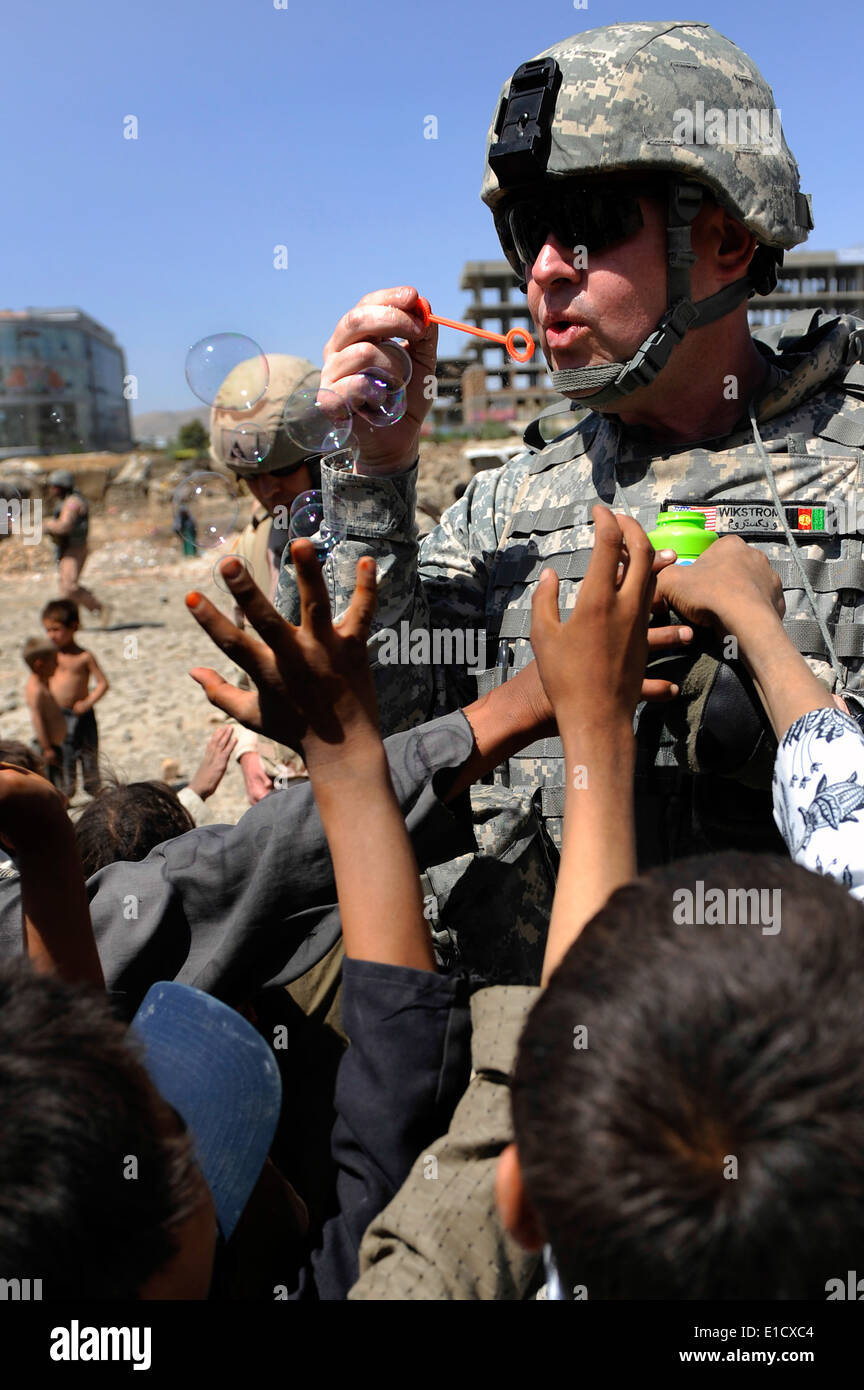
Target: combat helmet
675, 100
61, 477
253, 441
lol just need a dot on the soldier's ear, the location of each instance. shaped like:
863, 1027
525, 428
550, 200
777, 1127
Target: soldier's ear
724, 241
737, 245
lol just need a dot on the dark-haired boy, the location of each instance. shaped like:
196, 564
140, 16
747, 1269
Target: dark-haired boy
119, 1164
70, 686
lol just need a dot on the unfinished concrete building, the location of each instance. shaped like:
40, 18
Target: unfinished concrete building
483, 384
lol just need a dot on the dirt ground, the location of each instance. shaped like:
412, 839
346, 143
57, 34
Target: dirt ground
154, 710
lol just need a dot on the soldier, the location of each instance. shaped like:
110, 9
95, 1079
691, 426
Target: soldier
69, 529
253, 445
640, 228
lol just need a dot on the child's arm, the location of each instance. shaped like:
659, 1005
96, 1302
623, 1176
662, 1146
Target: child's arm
314, 681
58, 936
733, 588
99, 689
592, 668
820, 752
66, 520
40, 728
401, 1077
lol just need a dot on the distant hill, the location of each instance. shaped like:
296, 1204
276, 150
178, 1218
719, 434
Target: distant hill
156, 425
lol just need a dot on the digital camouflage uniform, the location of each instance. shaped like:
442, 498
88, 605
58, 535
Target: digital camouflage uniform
479, 567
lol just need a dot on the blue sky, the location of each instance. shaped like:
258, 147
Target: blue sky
304, 127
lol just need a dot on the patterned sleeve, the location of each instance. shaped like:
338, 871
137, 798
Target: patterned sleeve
819, 796
428, 633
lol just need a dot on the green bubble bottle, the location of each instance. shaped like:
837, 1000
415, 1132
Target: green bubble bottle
683, 532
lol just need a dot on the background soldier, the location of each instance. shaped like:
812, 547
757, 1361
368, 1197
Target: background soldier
254, 446
69, 529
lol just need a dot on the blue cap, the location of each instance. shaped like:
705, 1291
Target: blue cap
221, 1077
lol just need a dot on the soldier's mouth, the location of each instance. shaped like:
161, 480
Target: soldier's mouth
561, 333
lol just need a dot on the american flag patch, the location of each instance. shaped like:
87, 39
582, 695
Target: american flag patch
710, 512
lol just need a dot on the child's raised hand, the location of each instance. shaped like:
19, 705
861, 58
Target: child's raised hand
727, 583
30, 809
592, 666
313, 683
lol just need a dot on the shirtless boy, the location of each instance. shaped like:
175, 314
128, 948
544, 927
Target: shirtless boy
49, 722
70, 686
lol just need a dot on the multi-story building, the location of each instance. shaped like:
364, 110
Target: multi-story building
511, 390
61, 384
829, 280
485, 384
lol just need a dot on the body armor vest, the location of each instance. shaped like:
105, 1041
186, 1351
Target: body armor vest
815, 452
75, 539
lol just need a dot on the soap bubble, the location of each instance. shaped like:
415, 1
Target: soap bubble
377, 397
307, 519
317, 420
218, 577
306, 514
320, 420
205, 510
401, 366
227, 370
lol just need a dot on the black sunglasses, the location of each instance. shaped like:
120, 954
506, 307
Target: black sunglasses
578, 215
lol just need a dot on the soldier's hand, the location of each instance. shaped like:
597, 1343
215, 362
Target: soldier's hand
355, 347
729, 581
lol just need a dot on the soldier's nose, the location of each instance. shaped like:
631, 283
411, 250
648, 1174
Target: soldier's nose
555, 261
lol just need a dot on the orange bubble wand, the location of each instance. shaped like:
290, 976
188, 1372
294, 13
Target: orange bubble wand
508, 339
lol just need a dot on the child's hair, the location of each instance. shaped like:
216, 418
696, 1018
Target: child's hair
37, 649
126, 822
75, 1103
19, 755
61, 610
688, 1101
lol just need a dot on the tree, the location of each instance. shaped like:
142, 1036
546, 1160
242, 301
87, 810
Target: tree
192, 435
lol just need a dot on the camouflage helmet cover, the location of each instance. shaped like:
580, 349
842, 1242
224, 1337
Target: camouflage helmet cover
228, 428
626, 90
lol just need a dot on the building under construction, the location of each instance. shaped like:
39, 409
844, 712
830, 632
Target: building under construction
485, 386
829, 280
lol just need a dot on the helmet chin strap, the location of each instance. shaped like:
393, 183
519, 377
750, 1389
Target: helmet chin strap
616, 379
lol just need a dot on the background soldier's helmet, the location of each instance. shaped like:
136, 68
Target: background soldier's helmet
61, 477
254, 441
638, 97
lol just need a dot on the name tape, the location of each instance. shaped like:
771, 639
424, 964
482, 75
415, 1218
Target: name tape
760, 518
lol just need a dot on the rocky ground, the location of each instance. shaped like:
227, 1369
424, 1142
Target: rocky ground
153, 710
